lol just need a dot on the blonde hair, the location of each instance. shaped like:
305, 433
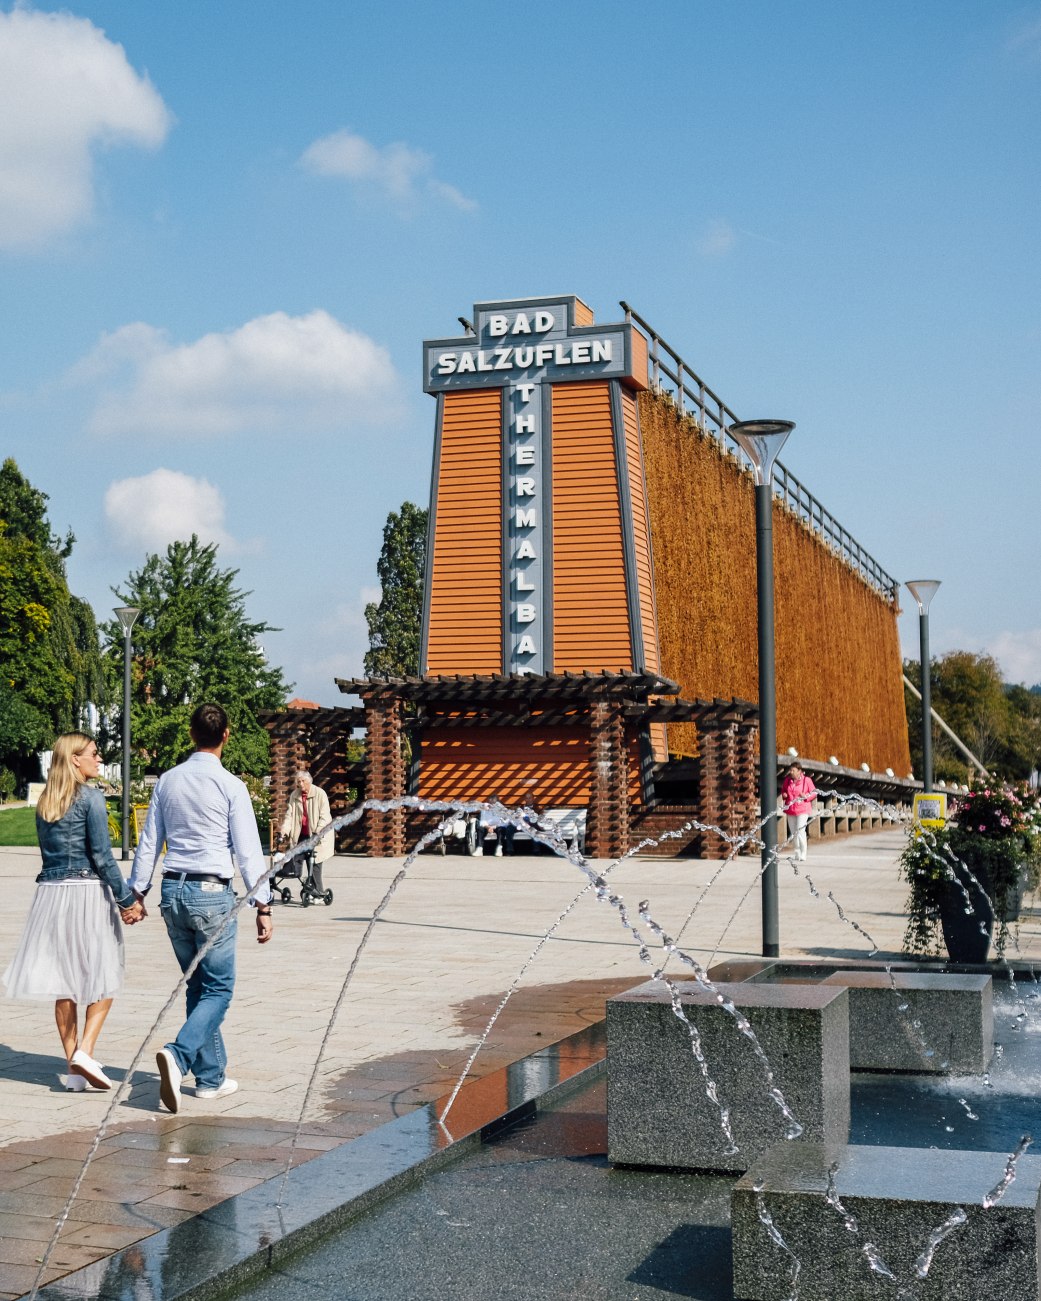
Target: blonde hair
63, 780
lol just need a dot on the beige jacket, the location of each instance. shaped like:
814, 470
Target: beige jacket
319, 815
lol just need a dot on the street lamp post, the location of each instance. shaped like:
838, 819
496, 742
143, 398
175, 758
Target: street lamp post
923, 590
127, 616
761, 441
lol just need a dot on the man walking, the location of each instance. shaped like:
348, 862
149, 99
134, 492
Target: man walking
205, 817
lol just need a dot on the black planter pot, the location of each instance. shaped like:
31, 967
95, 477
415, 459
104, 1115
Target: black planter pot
1014, 899
967, 935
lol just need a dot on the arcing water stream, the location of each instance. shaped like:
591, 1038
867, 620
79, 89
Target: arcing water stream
596, 882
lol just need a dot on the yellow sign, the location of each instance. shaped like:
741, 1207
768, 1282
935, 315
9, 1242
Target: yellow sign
140, 813
930, 810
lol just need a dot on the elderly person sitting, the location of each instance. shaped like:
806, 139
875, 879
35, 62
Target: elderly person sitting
307, 814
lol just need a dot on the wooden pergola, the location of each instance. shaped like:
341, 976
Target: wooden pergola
315, 739
615, 708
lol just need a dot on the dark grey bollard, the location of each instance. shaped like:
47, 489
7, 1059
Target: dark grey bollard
956, 1015
658, 1113
896, 1196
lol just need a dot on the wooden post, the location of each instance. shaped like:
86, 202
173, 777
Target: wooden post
385, 776
607, 819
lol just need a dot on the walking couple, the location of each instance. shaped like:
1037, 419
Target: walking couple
72, 947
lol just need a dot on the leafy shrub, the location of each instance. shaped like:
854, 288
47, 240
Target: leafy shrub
260, 797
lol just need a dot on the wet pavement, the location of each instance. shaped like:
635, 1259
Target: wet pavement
536, 1210
451, 943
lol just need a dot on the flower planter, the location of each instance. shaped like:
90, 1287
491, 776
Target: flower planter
1014, 899
967, 935
993, 848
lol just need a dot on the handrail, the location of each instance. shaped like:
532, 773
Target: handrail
953, 735
715, 418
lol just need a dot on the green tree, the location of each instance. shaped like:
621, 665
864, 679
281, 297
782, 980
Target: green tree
1022, 750
24, 510
394, 623
49, 653
1000, 724
23, 729
192, 642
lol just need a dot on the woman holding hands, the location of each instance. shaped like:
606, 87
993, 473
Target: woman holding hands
72, 946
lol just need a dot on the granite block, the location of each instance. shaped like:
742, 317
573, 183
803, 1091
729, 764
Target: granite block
658, 1111
897, 1197
955, 1016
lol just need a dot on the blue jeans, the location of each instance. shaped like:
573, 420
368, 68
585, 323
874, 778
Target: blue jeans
193, 913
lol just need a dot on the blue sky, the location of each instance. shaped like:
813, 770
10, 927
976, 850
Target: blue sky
225, 230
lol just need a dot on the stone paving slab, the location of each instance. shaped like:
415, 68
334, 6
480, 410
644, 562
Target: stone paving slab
451, 942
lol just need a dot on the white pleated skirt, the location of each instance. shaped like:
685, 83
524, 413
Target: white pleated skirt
72, 945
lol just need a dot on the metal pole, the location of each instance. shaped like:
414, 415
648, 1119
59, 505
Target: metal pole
764, 552
927, 714
980, 768
126, 744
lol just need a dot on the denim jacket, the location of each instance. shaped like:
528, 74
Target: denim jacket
78, 845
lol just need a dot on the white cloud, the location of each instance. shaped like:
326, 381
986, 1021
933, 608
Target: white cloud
397, 171
293, 374
717, 239
1019, 654
153, 510
65, 90
1026, 40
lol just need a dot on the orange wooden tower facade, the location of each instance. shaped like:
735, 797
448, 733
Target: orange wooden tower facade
539, 552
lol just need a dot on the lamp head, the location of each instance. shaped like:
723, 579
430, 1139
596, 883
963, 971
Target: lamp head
127, 616
761, 441
923, 590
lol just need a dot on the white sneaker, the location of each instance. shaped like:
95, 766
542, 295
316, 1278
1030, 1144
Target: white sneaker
84, 1065
498, 851
169, 1080
72, 1083
221, 1091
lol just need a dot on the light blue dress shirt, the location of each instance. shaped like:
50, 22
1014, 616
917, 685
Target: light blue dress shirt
205, 816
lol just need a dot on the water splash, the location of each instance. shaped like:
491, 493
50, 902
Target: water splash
776, 1237
877, 1264
1002, 1186
378, 911
124, 1086
855, 925
954, 1221
546, 836
740, 1020
831, 1196
887, 812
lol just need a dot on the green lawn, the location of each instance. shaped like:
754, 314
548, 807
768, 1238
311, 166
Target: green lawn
17, 827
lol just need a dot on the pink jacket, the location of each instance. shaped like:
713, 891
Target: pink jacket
797, 794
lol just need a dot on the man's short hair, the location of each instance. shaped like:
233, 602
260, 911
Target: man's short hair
208, 725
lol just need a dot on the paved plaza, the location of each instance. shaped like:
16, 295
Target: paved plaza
451, 942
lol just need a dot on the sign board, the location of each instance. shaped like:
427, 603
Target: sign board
525, 347
930, 810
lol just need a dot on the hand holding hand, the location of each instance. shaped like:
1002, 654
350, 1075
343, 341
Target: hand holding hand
135, 913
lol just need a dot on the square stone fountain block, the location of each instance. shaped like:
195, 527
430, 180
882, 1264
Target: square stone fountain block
897, 1196
658, 1111
956, 1015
